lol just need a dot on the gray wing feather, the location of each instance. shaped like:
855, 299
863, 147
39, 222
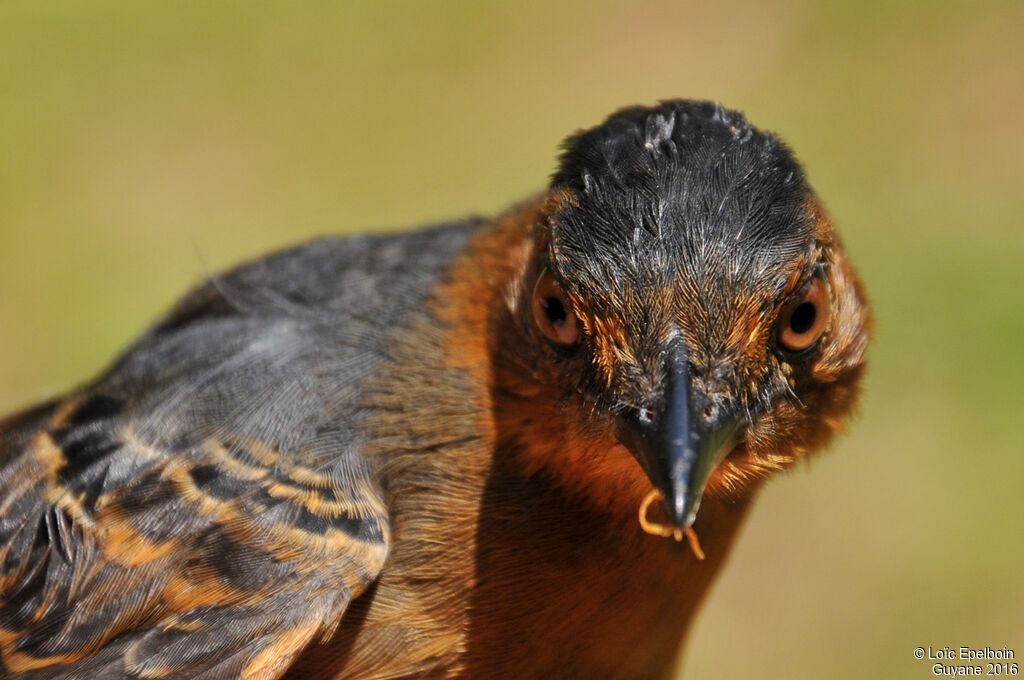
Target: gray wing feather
204, 508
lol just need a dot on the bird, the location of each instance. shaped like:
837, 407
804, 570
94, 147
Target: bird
470, 450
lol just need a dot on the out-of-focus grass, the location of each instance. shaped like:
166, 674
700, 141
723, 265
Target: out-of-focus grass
144, 144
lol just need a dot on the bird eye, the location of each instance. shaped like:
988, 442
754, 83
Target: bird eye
553, 313
802, 322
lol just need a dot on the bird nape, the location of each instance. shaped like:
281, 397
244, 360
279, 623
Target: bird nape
423, 454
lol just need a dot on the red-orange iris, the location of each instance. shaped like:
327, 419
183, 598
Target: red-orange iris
553, 312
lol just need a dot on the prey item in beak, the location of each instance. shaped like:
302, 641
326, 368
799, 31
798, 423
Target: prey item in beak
676, 443
666, 530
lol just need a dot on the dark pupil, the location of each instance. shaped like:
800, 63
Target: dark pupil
803, 318
555, 310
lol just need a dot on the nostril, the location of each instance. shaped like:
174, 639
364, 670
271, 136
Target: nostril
646, 415
709, 411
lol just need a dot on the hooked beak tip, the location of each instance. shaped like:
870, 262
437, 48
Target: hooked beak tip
681, 507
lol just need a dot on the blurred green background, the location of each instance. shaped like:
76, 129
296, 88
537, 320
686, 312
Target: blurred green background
145, 144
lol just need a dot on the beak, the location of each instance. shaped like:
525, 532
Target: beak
677, 446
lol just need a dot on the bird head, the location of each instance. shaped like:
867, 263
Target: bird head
688, 299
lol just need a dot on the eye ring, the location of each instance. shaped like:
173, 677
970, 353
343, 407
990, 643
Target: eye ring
803, 321
553, 313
